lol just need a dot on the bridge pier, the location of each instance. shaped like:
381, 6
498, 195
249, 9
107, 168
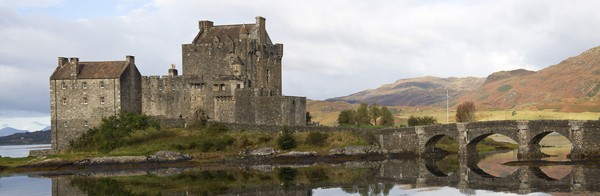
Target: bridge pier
576, 137
525, 150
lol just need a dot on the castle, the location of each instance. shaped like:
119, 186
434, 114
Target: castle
230, 73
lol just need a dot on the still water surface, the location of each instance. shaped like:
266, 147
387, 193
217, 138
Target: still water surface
447, 176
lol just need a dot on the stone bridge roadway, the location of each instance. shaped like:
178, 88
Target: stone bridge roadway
583, 135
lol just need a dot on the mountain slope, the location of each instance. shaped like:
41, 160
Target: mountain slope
37, 137
571, 86
421, 91
9, 131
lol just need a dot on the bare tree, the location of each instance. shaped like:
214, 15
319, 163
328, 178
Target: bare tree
465, 112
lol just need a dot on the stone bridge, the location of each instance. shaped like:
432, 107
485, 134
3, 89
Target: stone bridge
522, 180
583, 135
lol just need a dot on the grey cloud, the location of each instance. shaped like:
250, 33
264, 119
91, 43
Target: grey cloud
333, 49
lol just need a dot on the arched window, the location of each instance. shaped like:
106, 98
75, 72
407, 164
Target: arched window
268, 75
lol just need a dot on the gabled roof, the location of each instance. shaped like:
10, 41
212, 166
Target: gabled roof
91, 70
223, 32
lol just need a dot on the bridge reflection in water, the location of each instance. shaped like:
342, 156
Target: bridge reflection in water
451, 171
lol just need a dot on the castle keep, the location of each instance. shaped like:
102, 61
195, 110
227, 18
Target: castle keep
230, 73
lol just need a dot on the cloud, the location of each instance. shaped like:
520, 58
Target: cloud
333, 49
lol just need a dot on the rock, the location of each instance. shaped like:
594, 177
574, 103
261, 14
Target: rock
336, 151
50, 162
112, 160
262, 152
298, 154
360, 150
263, 168
168, 156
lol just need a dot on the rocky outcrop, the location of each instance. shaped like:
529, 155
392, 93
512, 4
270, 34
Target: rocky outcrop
298, 154
168, 156
262, 152
355, 150
112, 160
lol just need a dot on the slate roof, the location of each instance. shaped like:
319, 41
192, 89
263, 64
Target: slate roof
92, 70
224, 32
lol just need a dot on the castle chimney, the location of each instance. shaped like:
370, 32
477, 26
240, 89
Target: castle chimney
262, 33
172, 71
130, 59
62, 61
205, 25
75, 68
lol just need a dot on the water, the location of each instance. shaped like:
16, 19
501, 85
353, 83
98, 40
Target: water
447, 176
16, 151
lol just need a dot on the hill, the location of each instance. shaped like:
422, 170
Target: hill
421, 91
37, 137
9, 131
570, 86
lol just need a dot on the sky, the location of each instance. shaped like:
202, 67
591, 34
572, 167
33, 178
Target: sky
331, 48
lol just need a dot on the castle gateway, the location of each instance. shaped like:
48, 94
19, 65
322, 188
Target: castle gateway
231, 73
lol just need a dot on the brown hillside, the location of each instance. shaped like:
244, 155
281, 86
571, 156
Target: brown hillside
422, 91
570, 86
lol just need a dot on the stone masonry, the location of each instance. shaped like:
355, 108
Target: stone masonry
231, 74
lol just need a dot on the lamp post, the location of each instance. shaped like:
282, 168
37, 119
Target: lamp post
447, 111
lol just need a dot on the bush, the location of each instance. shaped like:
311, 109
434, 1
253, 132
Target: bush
465, 112
504, 88
316, 139
216, 128
418, 121
113, 131
286, 141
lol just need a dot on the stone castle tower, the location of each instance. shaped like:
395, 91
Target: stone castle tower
231, 74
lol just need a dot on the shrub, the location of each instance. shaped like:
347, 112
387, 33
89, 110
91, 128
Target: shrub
316, 139
286, 141
418, 121
504, 88
465, 112
216, 128
113, 131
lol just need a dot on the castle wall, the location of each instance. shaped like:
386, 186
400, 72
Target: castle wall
76, 108
166, 97
280, 110
131, 88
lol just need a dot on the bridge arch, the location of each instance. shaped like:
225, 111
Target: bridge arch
560, 142
560, 172
431, 146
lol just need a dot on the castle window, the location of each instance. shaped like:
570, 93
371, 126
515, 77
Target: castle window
101, 84
84, 85
64, 85
101, 100
64, 101
202, 86
268, 75
85, 123
238, 86
85, 101
222, 87
215, 87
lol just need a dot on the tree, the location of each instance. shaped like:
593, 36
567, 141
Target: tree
308, 118
465, 112
347, 117
387, 118
418, 121
374, 113
286, 140
362, 114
